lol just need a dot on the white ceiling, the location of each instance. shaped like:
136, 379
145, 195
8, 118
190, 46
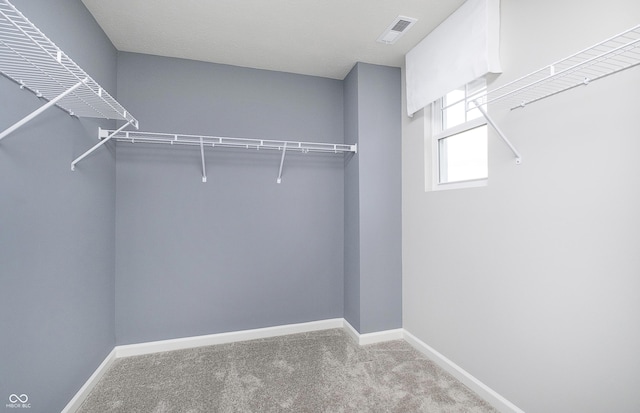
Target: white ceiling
313, 37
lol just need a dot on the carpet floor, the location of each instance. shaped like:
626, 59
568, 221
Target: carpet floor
322, 371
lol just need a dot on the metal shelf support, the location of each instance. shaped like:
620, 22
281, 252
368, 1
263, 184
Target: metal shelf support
40, 109
97, 145
284, 152
499, 131
204, 167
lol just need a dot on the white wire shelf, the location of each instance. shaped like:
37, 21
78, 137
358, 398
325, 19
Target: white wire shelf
226, 142
33, 61
610, 56
137, 137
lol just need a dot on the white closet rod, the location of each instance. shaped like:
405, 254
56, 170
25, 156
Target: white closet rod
201, 141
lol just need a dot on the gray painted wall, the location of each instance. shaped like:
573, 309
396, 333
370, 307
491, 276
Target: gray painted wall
56, 227
239, 251
531, 284
235, 253
351, 204
374, 248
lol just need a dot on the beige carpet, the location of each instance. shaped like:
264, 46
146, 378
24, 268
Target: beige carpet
323, 371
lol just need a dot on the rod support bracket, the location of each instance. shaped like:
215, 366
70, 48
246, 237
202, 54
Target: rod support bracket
498, 131
284, 152
204, 166
40, 109
99, 144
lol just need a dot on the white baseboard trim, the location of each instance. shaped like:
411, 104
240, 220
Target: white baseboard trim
481, 389
492, 397
352, 332
81, 395
381, 336
222, 338
372, 338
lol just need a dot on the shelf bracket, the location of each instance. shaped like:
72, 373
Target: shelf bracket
97, 145
500, 133
41, 109
204, 167
284, 152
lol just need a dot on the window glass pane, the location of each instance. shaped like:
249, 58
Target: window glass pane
463, 157
473, 113
453, 97
474, 90
453, 115
453, 109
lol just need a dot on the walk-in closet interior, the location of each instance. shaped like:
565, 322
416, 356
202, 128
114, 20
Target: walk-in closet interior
154, 200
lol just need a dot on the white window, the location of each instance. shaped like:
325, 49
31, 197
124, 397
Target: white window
459, 148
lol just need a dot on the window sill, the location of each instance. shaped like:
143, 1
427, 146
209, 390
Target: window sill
475, 183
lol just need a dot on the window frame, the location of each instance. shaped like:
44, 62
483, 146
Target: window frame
438, 114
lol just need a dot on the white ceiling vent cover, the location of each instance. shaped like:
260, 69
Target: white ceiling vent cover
396, 29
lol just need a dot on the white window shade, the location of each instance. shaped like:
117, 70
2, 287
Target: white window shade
461, 49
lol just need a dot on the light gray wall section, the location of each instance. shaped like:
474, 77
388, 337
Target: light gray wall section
531, 283
239, 251
351, 204
373, 255
379, 146
57, 227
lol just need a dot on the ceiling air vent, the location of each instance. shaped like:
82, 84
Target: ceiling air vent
396, 29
